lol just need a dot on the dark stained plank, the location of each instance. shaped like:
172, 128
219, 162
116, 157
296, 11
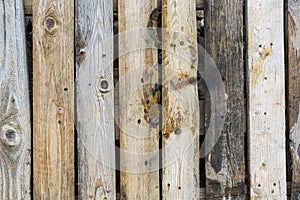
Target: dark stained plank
294, 92
225, 165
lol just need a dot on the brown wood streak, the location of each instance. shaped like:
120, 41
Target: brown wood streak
53, 99
294, 91
15, 133
224, 43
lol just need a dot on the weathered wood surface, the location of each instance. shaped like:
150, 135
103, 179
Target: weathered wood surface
95, 99
266, 82
138, 102
225, 165
180, 117
15, 139
53, 99
294, 91
28, 5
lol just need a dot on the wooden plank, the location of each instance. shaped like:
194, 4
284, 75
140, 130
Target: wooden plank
180, 117
53, 99
95, 99
294, 92
225, 165
266, 82
138, 102
28, 5
15, 140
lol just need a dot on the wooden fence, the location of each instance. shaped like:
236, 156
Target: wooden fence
108, 99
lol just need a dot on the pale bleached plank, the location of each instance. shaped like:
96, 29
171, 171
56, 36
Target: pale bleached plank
266, 82
15, 140
138, 102
28, 5
95, 99
180, 119
293, 37
53, 99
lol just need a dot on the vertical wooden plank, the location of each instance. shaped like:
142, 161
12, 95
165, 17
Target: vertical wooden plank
180, 124
266, 82
95, 99
15, 161
293, 27
138, 97
53, 99
225, 165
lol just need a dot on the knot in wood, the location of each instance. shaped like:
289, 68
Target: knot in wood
50, 24
10, 136
104, 85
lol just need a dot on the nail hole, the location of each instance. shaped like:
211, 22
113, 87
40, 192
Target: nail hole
272, 191
179, 188
142, 80
65, 89
263, 164
139, 121
258, 185
271, 44
260, 46
274, 184
178, 131
266, 78
265, 113
59, 122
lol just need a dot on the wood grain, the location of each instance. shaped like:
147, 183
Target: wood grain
95, 99
225, 165
139, 98
266, 83
294, 92
53, 99
15, 131
28, 5
180, 117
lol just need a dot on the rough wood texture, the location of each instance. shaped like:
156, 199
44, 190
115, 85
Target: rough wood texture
266, 80
180, 121
15, 138
28, 5
95, 99
138, 97
53, 99
294, 91
225, 165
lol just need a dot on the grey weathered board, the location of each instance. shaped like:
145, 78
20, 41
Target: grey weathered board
293, 36
95, 99
53, 99
180, 105
266, 97
138, 102
225, 165
15, 139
